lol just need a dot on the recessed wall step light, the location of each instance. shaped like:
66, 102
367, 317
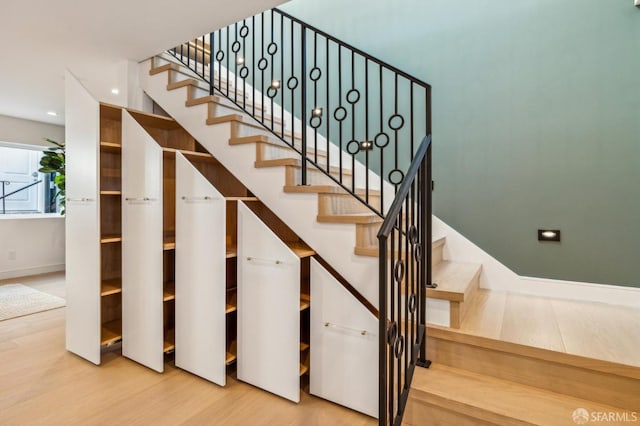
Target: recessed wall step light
548, 235
52, 113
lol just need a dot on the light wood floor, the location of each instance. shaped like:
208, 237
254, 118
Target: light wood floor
594, 330
43, 384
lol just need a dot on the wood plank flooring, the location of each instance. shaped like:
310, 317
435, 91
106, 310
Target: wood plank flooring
43, 384
594, 330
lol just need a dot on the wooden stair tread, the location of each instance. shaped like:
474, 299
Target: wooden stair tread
493, 400
372, 251
350, 218
300, 248
111, 332
168, 291
110, 238
325, 189
195, 155
297, 163
109, 287
453, 279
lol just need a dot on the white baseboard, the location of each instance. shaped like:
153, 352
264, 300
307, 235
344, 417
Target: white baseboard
574, 290
34, 270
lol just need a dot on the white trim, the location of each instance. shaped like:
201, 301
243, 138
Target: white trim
580, 291
34, 270
30, 216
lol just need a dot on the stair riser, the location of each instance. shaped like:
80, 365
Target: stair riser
270, 151
550, 374
293, 176
421, 413
335, 204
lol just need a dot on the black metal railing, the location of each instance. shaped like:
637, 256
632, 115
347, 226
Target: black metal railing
307, 87
405, 274
4, 196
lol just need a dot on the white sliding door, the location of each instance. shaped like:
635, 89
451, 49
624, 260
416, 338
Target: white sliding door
142, 238
200, 274
82, 128
268, 309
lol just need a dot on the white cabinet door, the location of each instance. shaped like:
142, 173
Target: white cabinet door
200, 274
142, 267
344, 344
82, 128
268, 309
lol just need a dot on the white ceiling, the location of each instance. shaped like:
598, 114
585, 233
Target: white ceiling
43, 37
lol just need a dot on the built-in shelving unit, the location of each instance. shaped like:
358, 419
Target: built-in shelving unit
110, 223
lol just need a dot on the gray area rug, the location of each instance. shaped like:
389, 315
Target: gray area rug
17, 300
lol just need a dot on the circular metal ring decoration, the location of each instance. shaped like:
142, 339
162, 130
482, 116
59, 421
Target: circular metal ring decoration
244, 31
398, 272
417, 254
353, 96
413, 303
235, 46
398, 347
315, 122
219, 55
413, 234
315, 74
272, 92
244, 72
396, 121
392, 332
353, 147
381, 140
396, 176
272, 48
292, 83
263, 64
340, 113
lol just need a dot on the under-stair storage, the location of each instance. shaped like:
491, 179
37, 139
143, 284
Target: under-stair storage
93, 229
148, 247
272, 299
202, 300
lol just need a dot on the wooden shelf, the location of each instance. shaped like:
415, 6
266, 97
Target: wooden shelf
303, 369
232, 303
231, 352
109, 287
106, 239
110, 192
169, 291
193, 155
110, 146
305, 302
232, 251
300, 248
169, 341
111, 332
303, 346
169, 242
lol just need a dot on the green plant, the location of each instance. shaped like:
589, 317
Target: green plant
53, 161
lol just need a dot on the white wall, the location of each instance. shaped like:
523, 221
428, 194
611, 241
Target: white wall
32, 245
28, 132
37, 240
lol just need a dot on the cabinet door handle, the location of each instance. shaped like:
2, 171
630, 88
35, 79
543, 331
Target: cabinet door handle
205, 198
139, 199
260, 259
80, 200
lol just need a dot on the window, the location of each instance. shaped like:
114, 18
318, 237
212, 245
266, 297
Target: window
22, 188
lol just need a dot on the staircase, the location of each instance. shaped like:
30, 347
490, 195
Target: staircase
312, 164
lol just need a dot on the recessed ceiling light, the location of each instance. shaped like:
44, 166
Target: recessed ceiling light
115, 91
52, 113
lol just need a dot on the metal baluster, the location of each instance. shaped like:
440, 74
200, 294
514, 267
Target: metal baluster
235, 64
303, 113
393, 321
395, 131
398, 288
366, 130
382, 150
262, 70
353, 122
340, 108
315, 96
227, 54
253, 67
327, 114
382, 329
212, 45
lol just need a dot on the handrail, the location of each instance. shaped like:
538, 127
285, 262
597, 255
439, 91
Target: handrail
355, 49
403, 192
4, 196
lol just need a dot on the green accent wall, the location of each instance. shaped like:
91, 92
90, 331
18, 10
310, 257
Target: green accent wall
536, 121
